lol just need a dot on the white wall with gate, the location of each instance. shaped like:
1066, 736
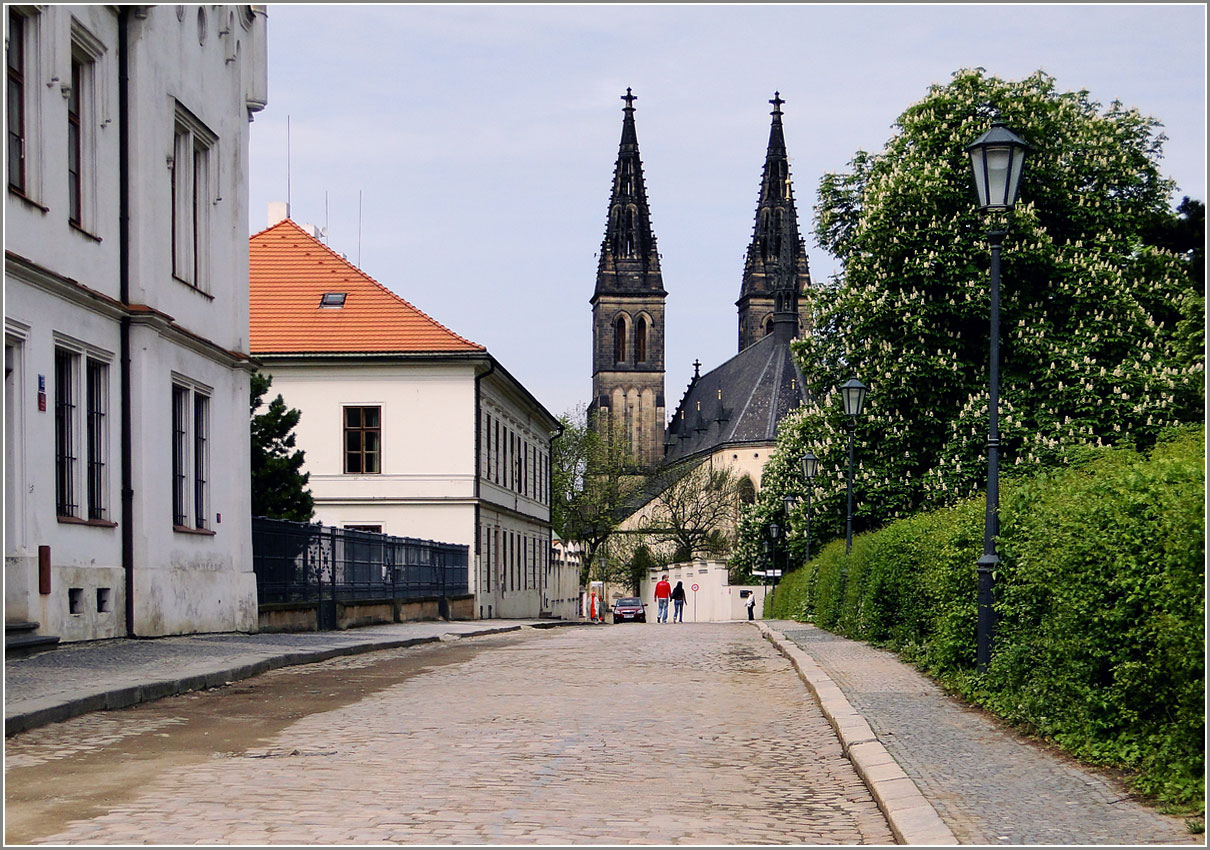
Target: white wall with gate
716, 600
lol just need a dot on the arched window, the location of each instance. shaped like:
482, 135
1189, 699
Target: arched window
768, 326
746, 491
619, 340
640, 341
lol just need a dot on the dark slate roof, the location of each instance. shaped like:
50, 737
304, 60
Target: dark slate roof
742, 401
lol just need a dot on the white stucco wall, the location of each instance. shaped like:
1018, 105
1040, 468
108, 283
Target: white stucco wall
432, 485
716, 600
63, 287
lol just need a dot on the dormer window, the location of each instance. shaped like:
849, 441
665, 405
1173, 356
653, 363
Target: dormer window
332, 299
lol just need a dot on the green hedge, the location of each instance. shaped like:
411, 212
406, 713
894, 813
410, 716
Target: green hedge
1100, 643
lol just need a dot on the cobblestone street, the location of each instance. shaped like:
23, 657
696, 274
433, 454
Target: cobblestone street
642, 734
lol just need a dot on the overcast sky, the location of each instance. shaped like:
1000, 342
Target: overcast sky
481, 140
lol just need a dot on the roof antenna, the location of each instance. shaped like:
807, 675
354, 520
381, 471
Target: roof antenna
359, 228
325, 216
287, 166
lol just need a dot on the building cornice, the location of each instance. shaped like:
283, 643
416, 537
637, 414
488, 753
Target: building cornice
74, 292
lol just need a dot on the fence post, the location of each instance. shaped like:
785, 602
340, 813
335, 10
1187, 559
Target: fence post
335, 615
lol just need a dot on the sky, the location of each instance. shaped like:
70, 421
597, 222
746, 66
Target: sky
462, 155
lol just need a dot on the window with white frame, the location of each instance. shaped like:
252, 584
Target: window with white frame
81, 424
190, 456
193, 177
83, 118
363, 440
21, 101
15, 100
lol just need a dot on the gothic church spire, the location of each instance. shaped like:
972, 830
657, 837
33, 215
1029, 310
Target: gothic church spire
628, 311
629, 258
775, 269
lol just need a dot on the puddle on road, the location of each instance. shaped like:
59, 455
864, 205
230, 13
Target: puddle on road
84, 767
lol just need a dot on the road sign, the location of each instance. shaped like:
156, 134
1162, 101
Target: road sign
694, 588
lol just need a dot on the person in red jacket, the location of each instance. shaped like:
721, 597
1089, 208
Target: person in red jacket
663, 590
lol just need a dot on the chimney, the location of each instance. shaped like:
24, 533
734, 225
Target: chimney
278, 211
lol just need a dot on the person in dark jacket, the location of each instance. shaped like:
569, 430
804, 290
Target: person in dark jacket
678, 603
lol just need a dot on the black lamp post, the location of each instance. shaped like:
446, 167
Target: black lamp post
853, 393
775, 536
790, 502
997, 159
810, 465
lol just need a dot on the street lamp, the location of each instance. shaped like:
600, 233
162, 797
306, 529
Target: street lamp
790, 502
810, 464
775, 536
997, 160
853, 393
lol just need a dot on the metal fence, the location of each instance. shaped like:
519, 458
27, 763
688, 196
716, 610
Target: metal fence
298, 562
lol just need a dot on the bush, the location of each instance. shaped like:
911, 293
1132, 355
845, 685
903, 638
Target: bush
1100, 602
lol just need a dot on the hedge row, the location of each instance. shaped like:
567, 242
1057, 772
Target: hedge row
1100, 643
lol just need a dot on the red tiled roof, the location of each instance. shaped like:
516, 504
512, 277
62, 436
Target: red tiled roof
291, 271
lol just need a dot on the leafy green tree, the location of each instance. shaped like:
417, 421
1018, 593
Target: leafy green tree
1102, 324
279, 486
593, 482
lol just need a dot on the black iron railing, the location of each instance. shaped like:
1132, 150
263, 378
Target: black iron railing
297, 562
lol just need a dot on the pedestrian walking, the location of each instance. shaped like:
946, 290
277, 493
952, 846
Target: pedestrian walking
751, 604
678, 603
663, 590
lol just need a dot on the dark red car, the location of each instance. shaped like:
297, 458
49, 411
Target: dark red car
629, 609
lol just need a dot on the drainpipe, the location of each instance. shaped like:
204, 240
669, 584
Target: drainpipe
127, 518
491, 367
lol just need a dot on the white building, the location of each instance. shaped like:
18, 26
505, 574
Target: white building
126, 317
408, 428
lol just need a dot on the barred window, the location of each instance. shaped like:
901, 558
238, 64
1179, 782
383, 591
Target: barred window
190, 457
66, 432
96, 426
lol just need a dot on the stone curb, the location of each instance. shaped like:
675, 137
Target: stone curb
912, 819
56, 709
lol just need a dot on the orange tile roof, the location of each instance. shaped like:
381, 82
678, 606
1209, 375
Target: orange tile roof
292, 270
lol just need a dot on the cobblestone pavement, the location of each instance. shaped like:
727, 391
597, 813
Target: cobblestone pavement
76, 670
630, 734
988, 785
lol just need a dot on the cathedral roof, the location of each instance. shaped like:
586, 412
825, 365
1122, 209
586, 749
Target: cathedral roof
307, 298
742, 401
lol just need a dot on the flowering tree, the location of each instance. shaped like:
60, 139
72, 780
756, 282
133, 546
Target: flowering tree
1102, 332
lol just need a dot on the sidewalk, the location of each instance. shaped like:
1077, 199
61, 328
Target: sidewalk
988, 785
77, 678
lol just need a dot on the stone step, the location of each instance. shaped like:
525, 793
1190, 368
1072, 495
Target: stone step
21, 639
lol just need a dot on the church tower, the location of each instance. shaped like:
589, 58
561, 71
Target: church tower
628, 310
775, 269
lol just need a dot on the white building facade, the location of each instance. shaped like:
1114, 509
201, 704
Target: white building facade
408, 429
126, 318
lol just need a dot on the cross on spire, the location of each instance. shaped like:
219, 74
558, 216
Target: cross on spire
630, 99
697, 365
777, 102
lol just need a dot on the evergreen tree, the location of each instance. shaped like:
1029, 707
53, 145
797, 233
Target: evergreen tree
279, 487
1102, 325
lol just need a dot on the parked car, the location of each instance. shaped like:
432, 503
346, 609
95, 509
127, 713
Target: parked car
629, 608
